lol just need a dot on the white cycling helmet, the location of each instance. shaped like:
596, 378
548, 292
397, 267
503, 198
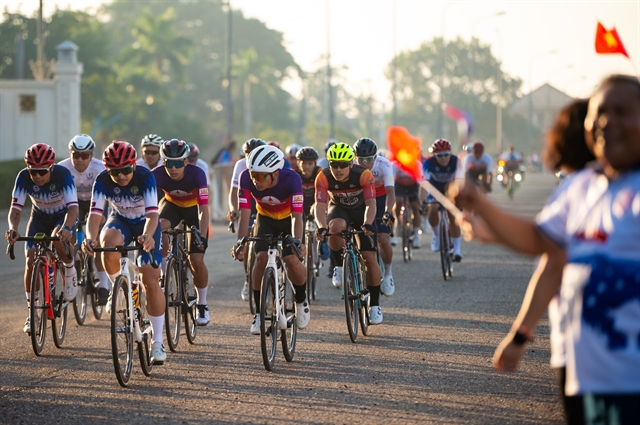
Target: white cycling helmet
292, 150
81, 143
266, 159
152, 140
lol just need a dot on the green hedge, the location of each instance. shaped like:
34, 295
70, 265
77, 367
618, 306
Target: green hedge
8, 172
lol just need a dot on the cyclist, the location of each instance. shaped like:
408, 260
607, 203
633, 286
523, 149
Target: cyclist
291, 152
54, 211
275, 144
324, 162
441, 170
479, 166
366, 152
132, 195
407, 185
84, 169
150, 148
186, 197
233, 215
349, 193
279, 201
194, 159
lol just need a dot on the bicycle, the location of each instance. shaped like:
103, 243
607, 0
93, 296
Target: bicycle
87, 281
180, 292
278, 309
406, 221
251, 260
312, 259
46, 292
354, 285
446, 244
129, 317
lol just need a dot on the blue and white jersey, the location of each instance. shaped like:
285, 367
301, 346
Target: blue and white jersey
132, 202
438, 175
598, 223
51, 200
84, 181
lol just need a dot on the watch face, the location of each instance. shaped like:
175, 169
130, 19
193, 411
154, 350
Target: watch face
519, 338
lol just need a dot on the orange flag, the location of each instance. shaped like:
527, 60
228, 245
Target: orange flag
608, 41
406, 150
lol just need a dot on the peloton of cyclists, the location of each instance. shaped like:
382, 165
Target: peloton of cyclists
278, 196
186, 197
366, 152
150, 149
348, 191
479, 167
132, 195
441, 170
54, 212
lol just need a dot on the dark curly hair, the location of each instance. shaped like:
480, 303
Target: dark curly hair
565, 145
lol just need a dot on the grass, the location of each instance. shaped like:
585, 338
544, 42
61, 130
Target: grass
8, 172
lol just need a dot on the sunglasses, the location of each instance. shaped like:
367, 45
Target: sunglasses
150, 153
365, 159
81, 155
259, 177
125, 171
442, 154
178, 163
339, 164
39, 171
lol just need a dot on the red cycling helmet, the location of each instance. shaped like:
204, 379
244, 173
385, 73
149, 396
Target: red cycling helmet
273, 143
118, 155
478, 146
40, 155
441, 145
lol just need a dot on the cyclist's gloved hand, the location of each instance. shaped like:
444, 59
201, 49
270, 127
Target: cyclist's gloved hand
11, 236
237, 251
369, 229
388, 218
88, 245
321, 232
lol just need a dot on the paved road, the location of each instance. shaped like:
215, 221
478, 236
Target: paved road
429, 362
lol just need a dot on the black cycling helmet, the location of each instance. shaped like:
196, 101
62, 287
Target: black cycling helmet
329, 143
174, 149
251, 144
307, 154
365, 147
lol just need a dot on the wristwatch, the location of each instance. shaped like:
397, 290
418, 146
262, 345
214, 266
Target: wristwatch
522, 336
66, 228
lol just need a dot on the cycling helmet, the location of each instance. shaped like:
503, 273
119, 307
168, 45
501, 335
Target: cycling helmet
152, 140
292, 150
119, 154
329, 143
40, 155
307, 154
340, 152
478, 146
81, 143
193, 150
174, 149
365, 147
440, 145
251, 144
266, 159
274, 144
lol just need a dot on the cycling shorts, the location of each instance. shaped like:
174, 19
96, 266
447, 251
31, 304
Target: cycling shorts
381, 204
268, 226
410, 192
354, 218
130, 231
42, 224
173, 213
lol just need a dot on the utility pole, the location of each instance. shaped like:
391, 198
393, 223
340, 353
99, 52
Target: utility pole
229, 105
395, 68
39, 74
329, 86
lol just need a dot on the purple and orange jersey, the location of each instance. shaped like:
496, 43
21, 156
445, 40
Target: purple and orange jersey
187, 192
277, 202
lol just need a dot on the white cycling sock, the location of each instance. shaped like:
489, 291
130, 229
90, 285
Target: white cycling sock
436, 231
202, 295
416, 232
163, 266
387, 269
28, 294
70, 270
104, 280
157, 325
456, 244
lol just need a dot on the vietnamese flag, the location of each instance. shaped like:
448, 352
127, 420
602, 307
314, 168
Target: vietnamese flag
406, 150
608, 41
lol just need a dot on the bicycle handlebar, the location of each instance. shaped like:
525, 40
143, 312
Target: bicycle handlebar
232, 227
125, 249
38, 237
193, 230
270, 239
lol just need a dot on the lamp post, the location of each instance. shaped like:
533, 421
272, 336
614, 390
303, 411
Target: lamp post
499, 101
530, 112
395, 68
443, 21
227, 80
329, 86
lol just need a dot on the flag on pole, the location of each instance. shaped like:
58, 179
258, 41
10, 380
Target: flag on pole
406, 150
608, 41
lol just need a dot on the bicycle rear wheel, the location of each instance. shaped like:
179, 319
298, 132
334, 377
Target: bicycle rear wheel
121, 331
288, 336
144, 346
406, 242
59, 323
189, 307
92, 289
80, 301
38, 307
444, 249
363, 300
349, 284
268, 326
173, 303
311, 269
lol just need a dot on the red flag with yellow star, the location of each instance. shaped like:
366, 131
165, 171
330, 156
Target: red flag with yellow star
608, 41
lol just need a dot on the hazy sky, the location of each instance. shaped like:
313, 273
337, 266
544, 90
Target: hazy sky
361, 35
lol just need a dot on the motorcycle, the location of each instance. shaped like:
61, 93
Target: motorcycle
510, 174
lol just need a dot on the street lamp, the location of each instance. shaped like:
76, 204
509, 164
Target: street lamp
530, 124
499, 102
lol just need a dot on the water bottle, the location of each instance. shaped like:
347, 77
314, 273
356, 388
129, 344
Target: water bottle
80, 235
51, 277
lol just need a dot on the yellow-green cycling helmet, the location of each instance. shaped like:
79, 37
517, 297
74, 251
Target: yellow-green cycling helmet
340, 152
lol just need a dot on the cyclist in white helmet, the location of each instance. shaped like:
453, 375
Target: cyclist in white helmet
150, 150
291, 152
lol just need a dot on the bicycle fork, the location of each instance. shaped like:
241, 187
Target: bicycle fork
281, 318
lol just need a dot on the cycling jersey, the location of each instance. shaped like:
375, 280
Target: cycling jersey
49, 201
309, 189
482, 165
511, 157
84, 181
402, 177
383, 175
240, 166
204, 167
140, 163
132, 202
597, 221
187, 192
350, 194
277, 202
438, 175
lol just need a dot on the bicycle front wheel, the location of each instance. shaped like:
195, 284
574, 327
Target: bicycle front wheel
144, 346
406, 242
59, 324
350, 294
121, 331
288, 336
38, 307
173, 303
444, 249
80, 301
268, 325
251, 260
363, 300
189, 308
